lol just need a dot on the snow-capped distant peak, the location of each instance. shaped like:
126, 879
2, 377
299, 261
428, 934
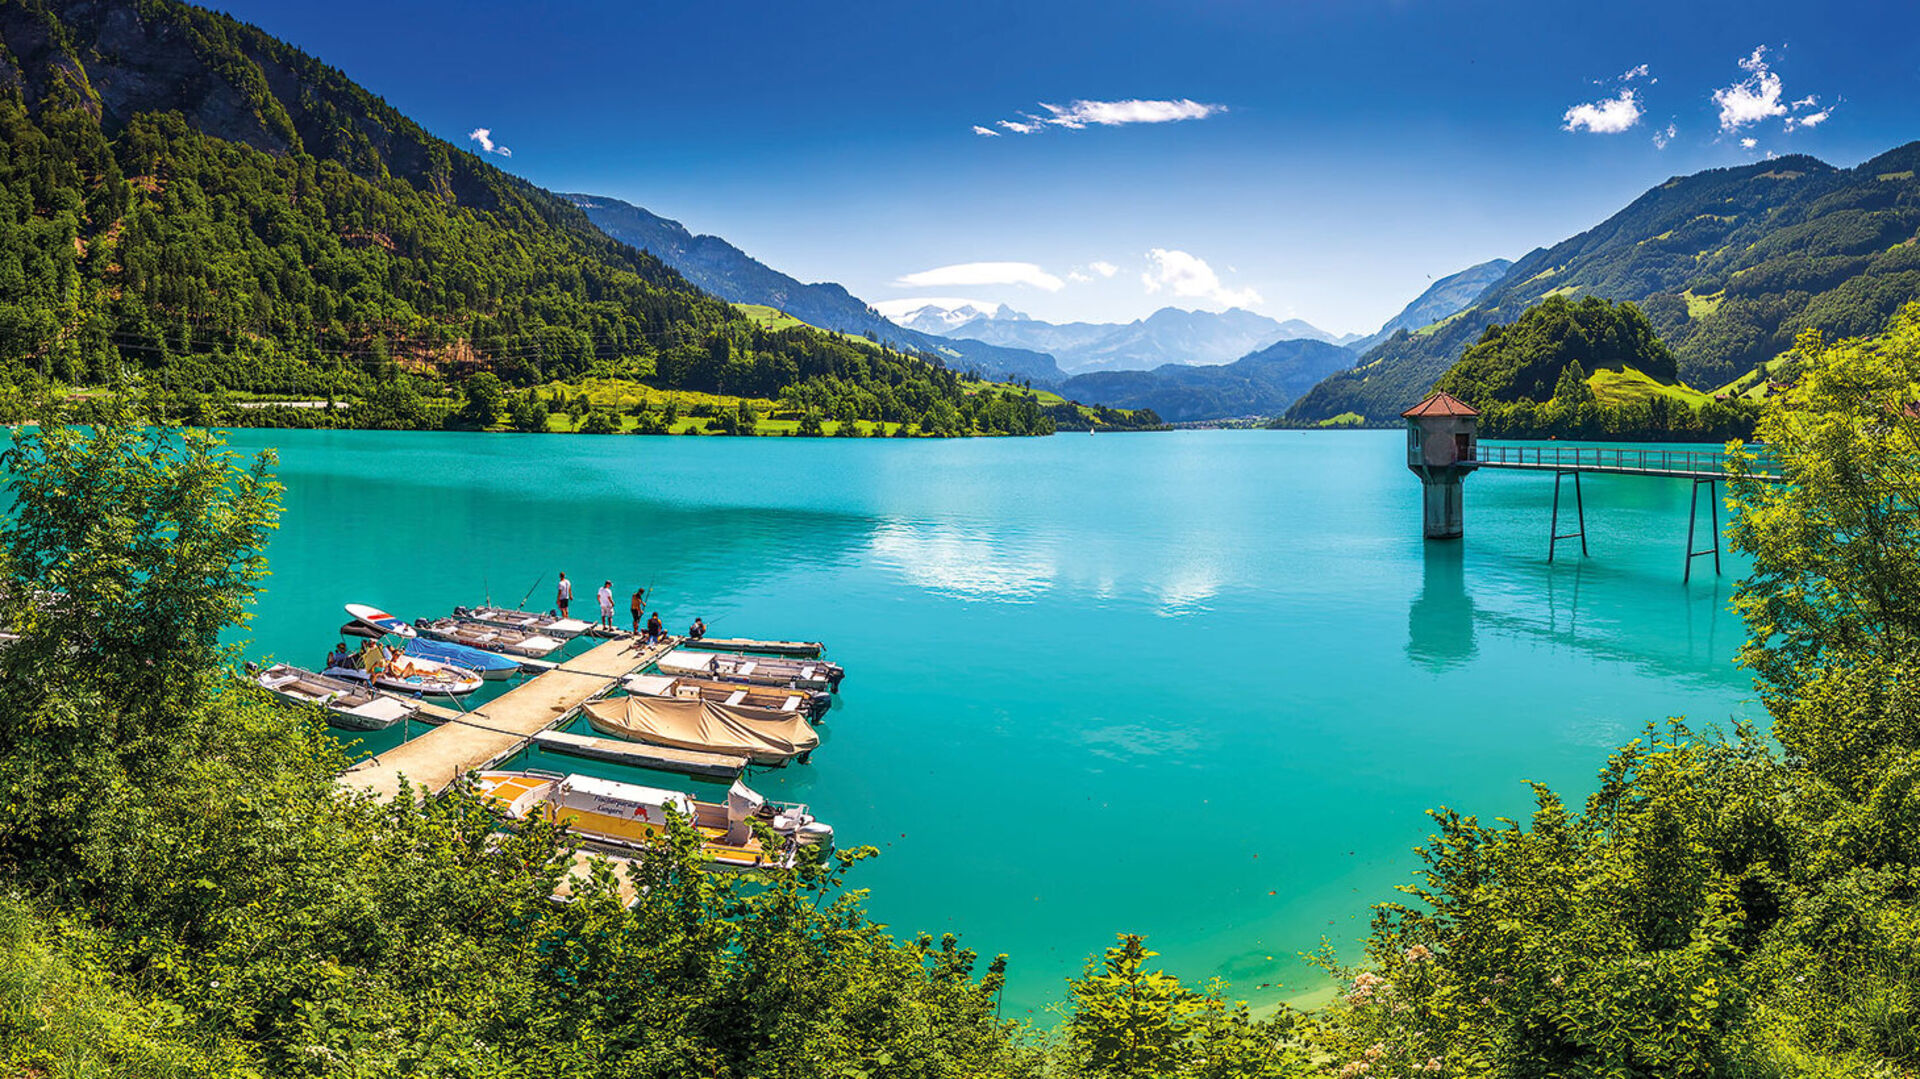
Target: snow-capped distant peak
943, 316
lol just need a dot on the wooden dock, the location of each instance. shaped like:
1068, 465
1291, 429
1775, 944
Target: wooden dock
496, 730
661, 758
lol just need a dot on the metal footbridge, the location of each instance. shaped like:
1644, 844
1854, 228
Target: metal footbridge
1704, 468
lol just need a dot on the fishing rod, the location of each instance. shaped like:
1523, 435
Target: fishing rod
523, 599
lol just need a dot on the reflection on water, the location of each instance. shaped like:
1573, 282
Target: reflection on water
960, 562
1440, 618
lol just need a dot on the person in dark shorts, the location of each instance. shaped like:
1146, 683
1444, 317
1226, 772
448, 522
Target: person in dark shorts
564, 595
697, 630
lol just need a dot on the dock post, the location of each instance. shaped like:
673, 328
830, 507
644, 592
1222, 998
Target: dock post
1580, 512
1693, 514
1442, 451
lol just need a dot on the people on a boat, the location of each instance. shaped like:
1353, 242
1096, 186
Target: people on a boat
637, 606
605, 595
340, 657
563, 595
656, 631
373, 658
697, 630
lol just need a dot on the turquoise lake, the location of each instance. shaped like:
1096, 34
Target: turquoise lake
1196, 685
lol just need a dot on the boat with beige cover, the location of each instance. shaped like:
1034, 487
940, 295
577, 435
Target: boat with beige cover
626, 816
703, 726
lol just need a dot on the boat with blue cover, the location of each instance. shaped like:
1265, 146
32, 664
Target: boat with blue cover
489, 665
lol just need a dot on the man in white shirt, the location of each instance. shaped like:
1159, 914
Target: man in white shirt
564, 596
606, 606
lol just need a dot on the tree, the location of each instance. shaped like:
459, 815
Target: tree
1834, 629
485, 398
1126, 1021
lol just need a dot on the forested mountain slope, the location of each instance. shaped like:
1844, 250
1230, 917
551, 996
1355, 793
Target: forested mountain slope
188, 197
730, 273
1729, 264
1444, 298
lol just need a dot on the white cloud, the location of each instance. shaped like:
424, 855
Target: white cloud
1131, 111
484, 136
1752, 99
1077, 115
991, 133
1104, 269
1749, 143
1662, 137
969, 274
1632, 73
1608, 117
1188, 275
1077, 277
1812, 119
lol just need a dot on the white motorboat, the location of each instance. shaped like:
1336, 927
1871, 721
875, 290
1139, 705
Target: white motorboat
349, 704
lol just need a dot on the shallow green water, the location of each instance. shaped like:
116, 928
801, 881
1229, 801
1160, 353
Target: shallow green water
1200, 685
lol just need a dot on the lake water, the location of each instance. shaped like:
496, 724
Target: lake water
1197, 685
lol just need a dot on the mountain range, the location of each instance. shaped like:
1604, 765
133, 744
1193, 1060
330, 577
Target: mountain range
1259, 384
731, 274
1169, 335
1728, 264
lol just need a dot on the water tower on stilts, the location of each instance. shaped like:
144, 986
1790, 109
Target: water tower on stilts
1442, 448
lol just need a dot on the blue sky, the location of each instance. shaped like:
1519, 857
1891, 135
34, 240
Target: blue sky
1333, 155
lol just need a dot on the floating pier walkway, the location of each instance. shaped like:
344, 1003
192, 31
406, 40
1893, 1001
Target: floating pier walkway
469, 741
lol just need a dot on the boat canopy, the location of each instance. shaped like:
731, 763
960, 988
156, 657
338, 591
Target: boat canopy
615, 799
703, 725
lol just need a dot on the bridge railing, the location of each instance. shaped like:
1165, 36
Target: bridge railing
1647, 459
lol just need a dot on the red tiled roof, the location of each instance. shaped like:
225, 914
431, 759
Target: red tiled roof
1441, 403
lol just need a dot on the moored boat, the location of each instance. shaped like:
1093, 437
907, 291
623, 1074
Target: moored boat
415, 674
351, 705
548, 625
753, 670
487, 637
759, 702
379, 619
704, 727
797, 649
491, 666
608, 813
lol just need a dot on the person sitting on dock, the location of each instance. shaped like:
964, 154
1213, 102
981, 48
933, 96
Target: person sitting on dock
637, 606
339, 657
605, 595
656, 632
697, 630
563, 595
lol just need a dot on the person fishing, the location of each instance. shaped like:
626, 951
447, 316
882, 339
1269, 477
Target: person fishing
563, 595
697, 630
637, 606
605, 596
656, 632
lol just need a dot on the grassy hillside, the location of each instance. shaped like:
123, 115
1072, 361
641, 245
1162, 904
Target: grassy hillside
1729, 265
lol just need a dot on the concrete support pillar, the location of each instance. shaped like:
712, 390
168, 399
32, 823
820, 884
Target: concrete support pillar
1443, 506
